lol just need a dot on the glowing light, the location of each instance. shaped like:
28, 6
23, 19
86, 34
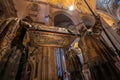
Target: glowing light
71, 8
76, 45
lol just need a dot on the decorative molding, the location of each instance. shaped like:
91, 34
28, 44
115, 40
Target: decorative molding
39, 38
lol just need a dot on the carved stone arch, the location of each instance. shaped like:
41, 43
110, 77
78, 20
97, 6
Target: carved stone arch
73, 15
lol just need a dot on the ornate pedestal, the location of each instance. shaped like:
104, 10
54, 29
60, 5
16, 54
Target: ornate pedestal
42, 54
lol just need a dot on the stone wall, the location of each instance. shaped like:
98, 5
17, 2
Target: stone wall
7, 9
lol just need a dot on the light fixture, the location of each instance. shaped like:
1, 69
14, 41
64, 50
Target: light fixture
71, 8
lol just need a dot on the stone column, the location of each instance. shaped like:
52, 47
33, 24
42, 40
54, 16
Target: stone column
44, 63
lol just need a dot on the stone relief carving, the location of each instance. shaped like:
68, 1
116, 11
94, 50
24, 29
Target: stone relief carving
34, 10
34, 7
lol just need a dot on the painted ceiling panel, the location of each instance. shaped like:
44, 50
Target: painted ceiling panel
78, 4
64, 3
81, 5
104, 7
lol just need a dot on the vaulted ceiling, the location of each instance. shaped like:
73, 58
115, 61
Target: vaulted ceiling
78, 4
108, 9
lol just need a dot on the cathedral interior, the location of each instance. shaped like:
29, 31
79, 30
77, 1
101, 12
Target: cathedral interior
59, 40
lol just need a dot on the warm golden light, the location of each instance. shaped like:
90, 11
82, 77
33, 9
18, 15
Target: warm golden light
76, 45
71, 8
